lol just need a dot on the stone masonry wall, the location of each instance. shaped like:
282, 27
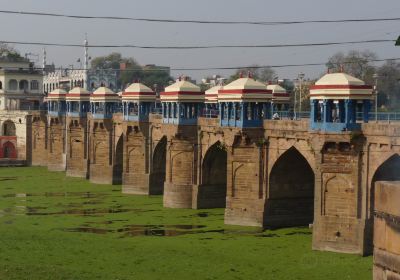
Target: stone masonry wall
387, 231
77, 147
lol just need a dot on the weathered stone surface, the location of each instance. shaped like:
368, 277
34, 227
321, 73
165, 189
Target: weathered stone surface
275, 176
387, 231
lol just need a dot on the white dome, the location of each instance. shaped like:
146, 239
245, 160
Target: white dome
339, 79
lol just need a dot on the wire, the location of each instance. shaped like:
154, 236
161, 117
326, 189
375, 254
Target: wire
202, 47
209, 68
199, 21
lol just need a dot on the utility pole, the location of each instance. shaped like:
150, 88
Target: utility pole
376, 76
300, 77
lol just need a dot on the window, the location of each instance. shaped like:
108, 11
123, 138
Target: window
23, 85
34, 85
13, 85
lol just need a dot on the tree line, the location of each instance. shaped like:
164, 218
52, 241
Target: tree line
359, 64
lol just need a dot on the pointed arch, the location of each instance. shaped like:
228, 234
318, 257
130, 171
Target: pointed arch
9, 128
8, 150
158, 167
389, 170
212, 191
290, 191
118, 161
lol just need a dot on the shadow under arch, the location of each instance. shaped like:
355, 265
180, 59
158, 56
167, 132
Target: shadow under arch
389, 170
158, 167
212, 191
8, 150
118, 161
290, 199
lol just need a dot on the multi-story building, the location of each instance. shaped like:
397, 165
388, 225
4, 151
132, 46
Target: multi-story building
21, 91
88, 79
20, 85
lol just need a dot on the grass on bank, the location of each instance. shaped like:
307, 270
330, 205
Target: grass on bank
55, 227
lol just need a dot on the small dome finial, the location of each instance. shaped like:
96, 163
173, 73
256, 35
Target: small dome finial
341, 68
241, 74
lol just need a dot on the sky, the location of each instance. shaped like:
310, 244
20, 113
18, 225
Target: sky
64, 30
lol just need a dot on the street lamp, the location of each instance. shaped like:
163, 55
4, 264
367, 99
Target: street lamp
300, 77
376, 76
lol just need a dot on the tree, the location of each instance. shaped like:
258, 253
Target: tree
111, 61
355, 63
262, 74
388, 85
9, 52
148, 75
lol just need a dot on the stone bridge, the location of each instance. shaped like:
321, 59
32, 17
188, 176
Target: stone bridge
283, 174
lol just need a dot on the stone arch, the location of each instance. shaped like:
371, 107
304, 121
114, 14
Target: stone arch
9, 128
212, 191
303, 147
158, 167
290, 199
8, 150
118, 161
389, 170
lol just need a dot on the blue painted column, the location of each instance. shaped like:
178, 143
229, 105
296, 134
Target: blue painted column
325, 111
235, 105
347, 108
314, 110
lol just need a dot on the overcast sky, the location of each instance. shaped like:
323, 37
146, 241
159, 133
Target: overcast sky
64, 30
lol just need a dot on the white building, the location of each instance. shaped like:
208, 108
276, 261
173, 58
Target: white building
20, 85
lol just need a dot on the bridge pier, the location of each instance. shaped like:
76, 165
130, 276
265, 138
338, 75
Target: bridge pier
39, 140
77, 147
56, 158
106, 147
339, 220
136, 166
180, 167
246, 181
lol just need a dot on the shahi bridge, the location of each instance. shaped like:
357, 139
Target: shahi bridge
223, 149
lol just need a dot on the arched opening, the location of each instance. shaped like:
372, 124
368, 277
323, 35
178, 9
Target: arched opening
9, 128
23, 85
118, 161
9, 150
157, 176
387, 171
13, 84
1, 85
291, 191
212, 191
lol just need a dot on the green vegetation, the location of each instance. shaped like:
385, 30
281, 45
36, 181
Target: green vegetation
54, 227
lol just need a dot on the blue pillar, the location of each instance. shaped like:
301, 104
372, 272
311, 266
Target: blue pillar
325, 111
347, 108
314, 110
244, 112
